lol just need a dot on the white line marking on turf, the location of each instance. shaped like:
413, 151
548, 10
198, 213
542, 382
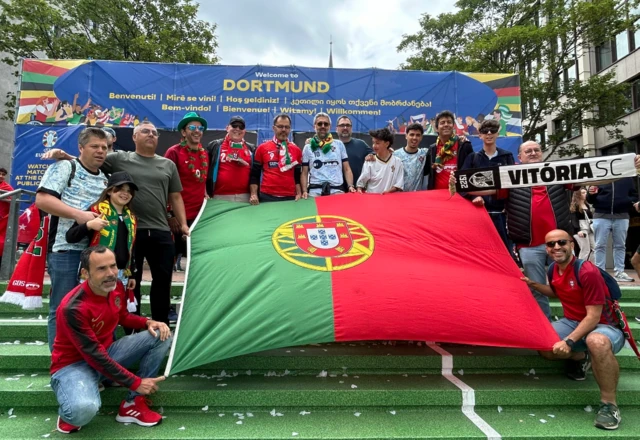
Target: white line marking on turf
184, 291
468, 393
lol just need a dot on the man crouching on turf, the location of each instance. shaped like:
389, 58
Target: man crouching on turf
589, 331
84, 352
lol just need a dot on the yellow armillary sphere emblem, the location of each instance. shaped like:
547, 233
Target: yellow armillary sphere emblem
323, 242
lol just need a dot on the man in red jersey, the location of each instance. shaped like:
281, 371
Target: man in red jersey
192, 162
230, 162
589, 331
84, 352
276, 166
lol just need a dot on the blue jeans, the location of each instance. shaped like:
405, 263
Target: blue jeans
76, 385
618, 227
534, 261
63, 270
565, 326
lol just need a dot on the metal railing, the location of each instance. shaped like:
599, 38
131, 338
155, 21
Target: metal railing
14, 198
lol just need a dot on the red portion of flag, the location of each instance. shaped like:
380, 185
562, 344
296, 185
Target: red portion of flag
451, 281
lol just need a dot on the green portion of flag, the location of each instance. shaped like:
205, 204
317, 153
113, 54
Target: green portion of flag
38, 78
237, 284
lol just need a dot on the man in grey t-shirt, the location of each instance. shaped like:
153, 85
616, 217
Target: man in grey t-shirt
159, 185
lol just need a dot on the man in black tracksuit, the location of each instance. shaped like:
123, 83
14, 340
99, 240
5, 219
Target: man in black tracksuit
491, 156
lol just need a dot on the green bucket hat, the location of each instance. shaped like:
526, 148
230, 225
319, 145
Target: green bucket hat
191, 116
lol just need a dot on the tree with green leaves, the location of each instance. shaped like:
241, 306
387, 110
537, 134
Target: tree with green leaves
126, 30
542, 40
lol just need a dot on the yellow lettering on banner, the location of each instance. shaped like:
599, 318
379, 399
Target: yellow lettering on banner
282, 86
256, 85
269, 85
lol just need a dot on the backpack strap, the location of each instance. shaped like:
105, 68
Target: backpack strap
73, 173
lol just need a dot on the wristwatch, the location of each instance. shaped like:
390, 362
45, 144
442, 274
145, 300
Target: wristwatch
570, 343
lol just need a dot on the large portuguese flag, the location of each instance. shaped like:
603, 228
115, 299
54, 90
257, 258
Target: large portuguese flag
407, 266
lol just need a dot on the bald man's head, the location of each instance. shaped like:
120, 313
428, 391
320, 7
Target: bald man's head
559, 245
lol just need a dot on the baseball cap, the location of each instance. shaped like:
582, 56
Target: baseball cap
237, 119
120, 178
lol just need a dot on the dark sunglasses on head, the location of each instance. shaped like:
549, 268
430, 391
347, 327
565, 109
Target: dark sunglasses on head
238, 125
195, 127
562, 243
488, 131
323, 124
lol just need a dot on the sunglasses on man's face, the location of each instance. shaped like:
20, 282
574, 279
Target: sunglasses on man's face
323, 124
488, 131
195, 127
238, 126
562, 243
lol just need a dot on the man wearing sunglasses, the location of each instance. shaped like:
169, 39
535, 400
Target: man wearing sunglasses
589, 332
325, 164
491, 156
192, 162
159, 185
276, 166
230, 161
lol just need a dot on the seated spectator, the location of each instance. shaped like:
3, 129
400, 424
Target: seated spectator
589, 330
84, 350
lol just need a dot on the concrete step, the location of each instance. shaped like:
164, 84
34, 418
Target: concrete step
8, 311
339, 359
630, 308
365, 390
517, 422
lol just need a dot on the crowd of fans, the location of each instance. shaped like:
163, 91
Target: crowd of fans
111, 211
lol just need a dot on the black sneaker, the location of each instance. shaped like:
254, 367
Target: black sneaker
608, 416
173, 315
577, 370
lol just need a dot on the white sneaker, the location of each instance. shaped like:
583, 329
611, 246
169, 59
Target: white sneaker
623, 277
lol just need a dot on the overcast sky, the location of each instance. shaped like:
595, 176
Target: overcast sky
365, 32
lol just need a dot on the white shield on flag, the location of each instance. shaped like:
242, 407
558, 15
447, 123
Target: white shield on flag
323, 238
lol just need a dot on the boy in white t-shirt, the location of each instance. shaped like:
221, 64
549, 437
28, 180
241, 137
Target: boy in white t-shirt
385, 174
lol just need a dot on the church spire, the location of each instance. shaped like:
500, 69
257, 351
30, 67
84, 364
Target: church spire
330, 51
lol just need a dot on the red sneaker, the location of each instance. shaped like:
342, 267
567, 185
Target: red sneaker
138, 412
66, 428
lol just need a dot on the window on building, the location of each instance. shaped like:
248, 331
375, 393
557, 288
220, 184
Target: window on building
635, 95
612, 150
622, 44
541, 138
567, 128
604, 55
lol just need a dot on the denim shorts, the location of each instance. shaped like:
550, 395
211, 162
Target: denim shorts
564, 327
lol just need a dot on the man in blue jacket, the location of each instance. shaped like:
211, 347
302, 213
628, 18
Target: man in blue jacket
612, 203
491, 156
